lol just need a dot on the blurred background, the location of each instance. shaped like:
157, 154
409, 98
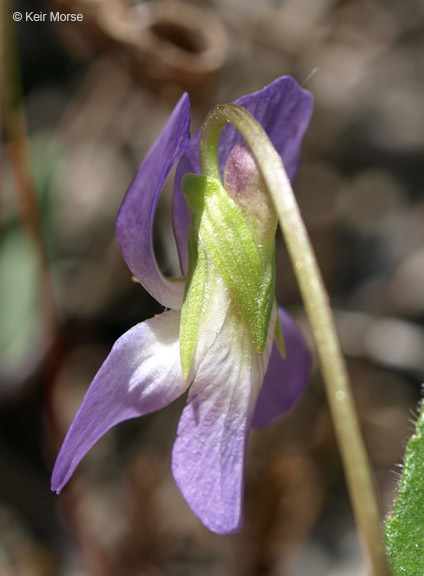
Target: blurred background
81, 104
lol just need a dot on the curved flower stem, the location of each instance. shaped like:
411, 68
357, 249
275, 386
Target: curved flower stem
355, 460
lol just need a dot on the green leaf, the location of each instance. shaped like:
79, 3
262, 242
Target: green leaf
405, 527
227, 240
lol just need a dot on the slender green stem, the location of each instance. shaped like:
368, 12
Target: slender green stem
355, 460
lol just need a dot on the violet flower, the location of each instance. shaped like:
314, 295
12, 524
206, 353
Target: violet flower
231, 386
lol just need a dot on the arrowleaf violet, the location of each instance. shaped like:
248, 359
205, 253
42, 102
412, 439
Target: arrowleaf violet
218, 337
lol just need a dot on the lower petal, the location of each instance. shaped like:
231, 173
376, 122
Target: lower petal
286, 378
209, 451
141, 374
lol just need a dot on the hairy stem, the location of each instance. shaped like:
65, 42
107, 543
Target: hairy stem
354, 456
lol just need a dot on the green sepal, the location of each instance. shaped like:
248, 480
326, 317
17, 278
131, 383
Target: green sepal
227, 240
404, 529
193, 297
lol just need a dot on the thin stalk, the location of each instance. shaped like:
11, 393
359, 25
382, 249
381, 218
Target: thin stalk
354, 456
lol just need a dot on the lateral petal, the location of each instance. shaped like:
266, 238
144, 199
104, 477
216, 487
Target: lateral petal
134, 223
286, 378
209, 451
142, 374
283, 109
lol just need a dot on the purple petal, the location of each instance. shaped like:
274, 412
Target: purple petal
134, 223
285, 379
209, 451
283, 108
141, 374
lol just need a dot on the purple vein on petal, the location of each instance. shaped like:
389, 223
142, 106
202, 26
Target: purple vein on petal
209, 451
